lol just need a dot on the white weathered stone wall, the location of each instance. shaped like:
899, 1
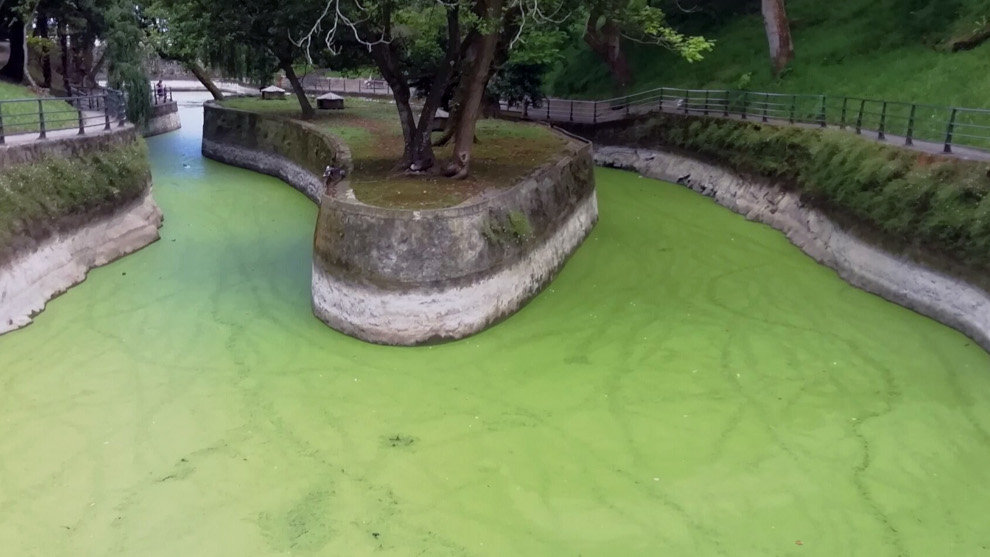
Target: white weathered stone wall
944, 298
163, 123
422, 314
27, 282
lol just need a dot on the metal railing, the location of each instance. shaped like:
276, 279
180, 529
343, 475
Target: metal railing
889, 120
161, 96
44, 115
347, 86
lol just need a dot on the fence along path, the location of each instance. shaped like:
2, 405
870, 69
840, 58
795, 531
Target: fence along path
964, 132
26, 120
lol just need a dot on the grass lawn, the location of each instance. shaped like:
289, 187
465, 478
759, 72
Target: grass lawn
505, 152
867, 48
22, 117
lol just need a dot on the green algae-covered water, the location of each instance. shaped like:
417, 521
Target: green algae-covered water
691, 384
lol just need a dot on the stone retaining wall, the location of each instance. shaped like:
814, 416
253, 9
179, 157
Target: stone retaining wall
164, 119
53, 265
407, 277
933, 293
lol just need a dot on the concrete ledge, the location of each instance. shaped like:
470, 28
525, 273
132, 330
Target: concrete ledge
406, 277
62, 261
946, 299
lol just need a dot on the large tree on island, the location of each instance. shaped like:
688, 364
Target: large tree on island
477, 36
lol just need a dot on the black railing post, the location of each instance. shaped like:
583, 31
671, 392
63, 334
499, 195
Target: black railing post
881, 135
909, 138
660, 102
525, 110
745, 104
821, 113
766, 100
705, 109
170, 97
548, 109
949, 130
571, 117
842, 118
859, 117
41, 119
82, 127
594, 115
2, 140
687, 101
106, 110
790, 117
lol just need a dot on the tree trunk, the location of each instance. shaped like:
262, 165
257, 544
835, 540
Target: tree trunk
16, 68
778, 34
424, 130
474, 78
386, 60
63, 43
90, 80
606, 42
203, 78
307, 109
41, 30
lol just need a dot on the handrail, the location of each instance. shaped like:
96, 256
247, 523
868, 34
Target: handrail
908, 120
90, 111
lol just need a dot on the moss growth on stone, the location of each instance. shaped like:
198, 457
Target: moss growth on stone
916, 200
55, 193
510, 228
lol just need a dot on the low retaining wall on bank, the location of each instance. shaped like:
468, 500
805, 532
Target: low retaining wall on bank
60, 262
53, 254
933, 293
164, 118
407, 277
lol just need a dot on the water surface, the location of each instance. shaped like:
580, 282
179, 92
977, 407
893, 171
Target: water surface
690, 384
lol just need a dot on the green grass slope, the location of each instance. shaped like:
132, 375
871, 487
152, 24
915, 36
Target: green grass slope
894, 49
22, 117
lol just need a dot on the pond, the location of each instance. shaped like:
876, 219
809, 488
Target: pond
690, 384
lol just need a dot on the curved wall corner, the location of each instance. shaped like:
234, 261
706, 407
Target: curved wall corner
164, 119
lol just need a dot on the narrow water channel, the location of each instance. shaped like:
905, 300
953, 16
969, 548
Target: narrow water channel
691, 384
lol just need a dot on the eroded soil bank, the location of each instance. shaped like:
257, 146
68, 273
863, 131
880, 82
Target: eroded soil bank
690, 384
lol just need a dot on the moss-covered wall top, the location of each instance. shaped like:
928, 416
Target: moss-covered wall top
56, 185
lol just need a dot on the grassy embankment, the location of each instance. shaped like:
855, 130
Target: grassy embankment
22, 117
918, 202
53, 194
505, 152
900, 50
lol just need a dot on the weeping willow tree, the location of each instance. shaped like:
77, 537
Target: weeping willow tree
125, 49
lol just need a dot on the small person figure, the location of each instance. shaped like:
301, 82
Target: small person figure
331, 176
